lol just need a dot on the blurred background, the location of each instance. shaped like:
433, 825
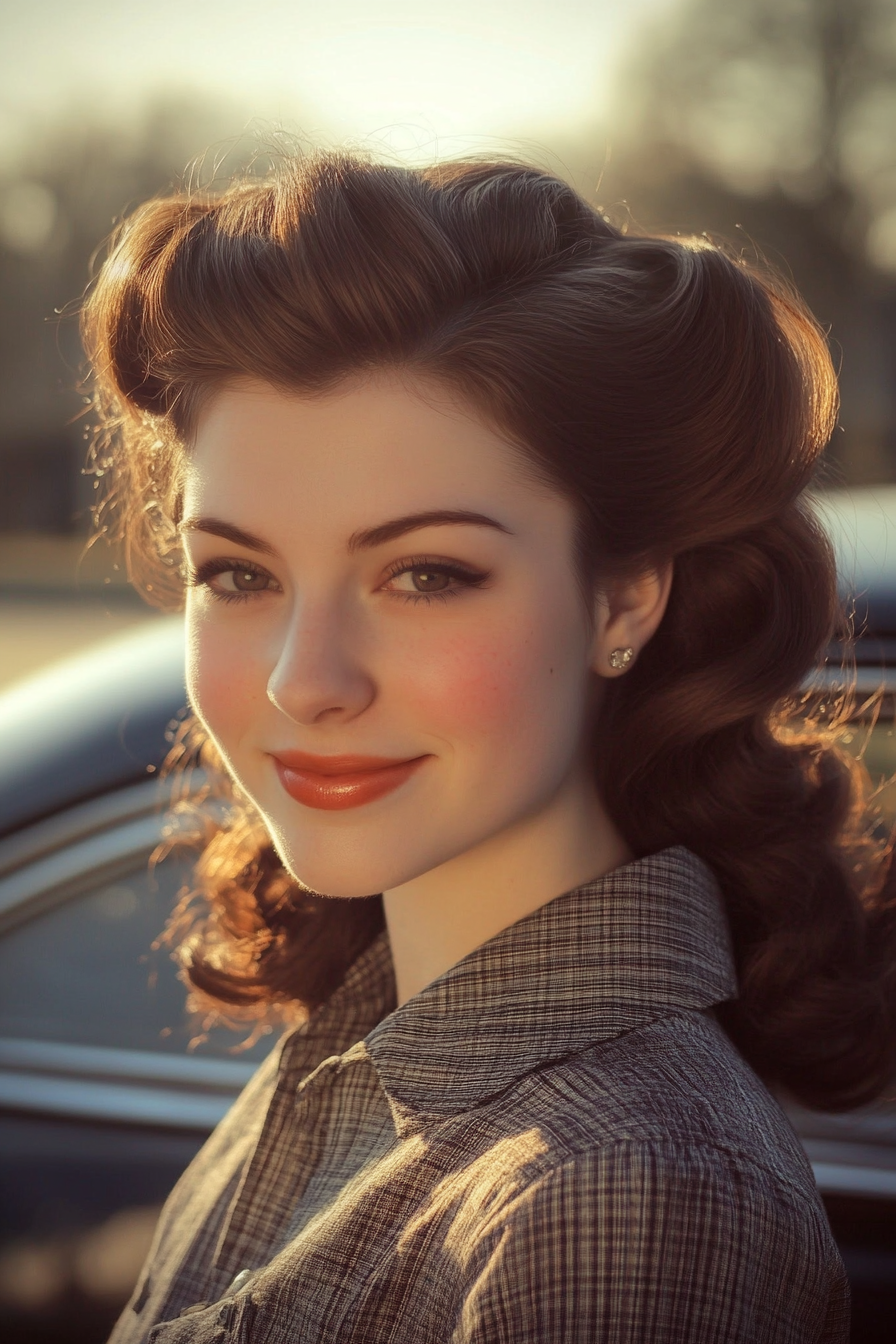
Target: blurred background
770, 123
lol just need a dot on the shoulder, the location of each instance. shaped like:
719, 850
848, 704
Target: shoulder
660, 1240
668, 1199
679, 1082
697, 1187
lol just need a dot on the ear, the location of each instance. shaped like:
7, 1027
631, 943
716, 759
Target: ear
626, 616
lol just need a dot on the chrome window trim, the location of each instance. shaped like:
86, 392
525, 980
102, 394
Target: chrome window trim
43, 865
133, 1087
875, 1125
864, 680
45, 837
31, 890
838, 1178
111, 1103
141, 1066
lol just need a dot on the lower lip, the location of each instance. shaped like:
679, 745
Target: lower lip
336, 793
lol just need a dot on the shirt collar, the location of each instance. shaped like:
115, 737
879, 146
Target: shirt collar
648, 940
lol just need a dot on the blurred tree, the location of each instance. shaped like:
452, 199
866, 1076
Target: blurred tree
60, 196
771, 122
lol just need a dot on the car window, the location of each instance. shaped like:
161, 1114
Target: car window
85, 972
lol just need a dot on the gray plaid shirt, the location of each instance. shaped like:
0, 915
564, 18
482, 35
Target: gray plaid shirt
553, 1143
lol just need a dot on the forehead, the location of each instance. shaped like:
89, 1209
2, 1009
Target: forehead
380, 447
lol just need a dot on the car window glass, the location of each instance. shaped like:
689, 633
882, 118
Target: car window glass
85, 972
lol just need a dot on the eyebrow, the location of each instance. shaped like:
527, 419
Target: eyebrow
366, 539
216, 527
412, 522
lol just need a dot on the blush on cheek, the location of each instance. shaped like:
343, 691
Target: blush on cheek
475, 686
219, 685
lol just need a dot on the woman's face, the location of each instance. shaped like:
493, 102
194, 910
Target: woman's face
387, 640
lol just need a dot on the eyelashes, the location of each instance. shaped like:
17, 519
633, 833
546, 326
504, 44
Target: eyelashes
248, 579
429, 579
434, 580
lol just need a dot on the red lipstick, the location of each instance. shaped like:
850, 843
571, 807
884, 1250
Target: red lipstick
333, 783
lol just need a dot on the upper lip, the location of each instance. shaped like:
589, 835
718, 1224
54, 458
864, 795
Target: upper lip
337, 765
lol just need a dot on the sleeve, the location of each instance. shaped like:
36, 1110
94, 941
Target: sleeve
658, 1243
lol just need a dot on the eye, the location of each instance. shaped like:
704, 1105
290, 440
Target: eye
233, 580
243, 580
421, 578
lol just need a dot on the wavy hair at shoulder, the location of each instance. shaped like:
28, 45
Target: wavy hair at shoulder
682, 399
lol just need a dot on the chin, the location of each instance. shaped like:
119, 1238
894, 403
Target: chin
334, 866
337, 871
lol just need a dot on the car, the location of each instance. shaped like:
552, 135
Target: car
107, 1088
102, 1100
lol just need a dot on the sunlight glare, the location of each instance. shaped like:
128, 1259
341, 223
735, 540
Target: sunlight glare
471, 68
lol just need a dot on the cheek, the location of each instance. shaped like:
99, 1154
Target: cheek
474, 689
222, 678
494, 684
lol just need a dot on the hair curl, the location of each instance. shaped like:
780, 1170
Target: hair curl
682, 398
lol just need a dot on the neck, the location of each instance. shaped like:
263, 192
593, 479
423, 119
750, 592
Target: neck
439, 917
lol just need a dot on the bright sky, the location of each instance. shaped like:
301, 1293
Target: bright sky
460, 68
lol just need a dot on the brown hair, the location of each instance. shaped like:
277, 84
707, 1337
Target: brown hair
682, 398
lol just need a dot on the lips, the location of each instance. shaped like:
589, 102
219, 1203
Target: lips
334, 783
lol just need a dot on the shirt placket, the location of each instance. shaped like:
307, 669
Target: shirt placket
288, 1147
286, 1156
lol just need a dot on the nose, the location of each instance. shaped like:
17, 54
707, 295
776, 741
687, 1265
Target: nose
319, 673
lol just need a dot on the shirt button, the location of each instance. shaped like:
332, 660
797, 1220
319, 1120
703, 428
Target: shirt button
244, 1277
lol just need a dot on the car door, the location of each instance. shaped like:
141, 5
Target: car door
107, 1088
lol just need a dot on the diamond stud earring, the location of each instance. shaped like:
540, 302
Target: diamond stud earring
620, 658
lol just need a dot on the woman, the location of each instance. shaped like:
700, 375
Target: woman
498, 580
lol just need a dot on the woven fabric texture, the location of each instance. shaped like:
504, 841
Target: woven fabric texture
554, 1143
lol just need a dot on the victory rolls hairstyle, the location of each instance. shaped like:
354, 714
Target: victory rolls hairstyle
682, 399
